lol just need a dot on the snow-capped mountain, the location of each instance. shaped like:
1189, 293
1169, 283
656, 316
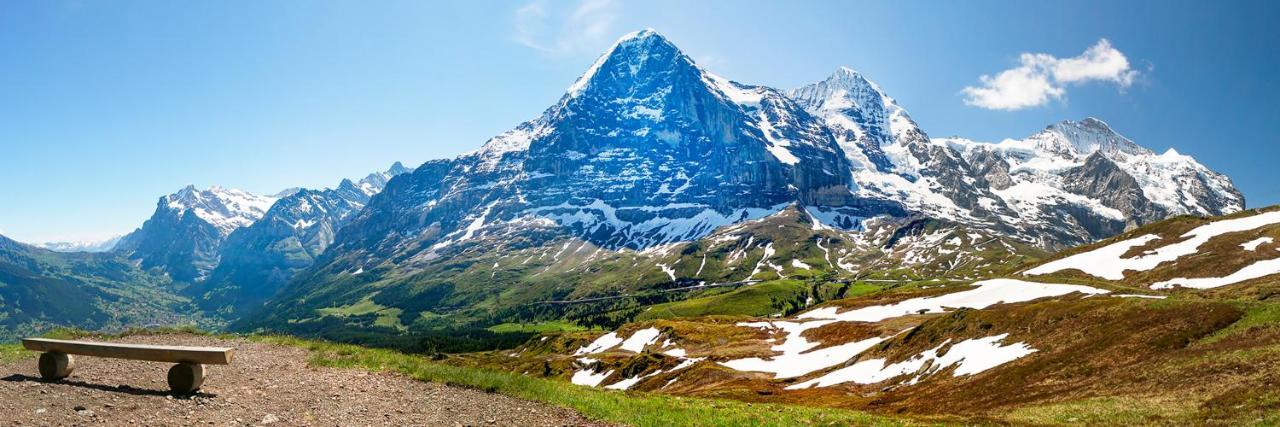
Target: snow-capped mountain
1096, 174
1072, 183
91, 245
651, 171
892, 157
646, 149
255, 261
373, 183
186, 231
224, 208
185, 236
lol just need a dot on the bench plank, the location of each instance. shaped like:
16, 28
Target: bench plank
151, 353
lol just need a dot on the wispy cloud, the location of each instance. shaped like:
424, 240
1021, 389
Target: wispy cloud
556, 29
1040, 78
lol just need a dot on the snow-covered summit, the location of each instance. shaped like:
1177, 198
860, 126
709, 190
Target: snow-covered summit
1080, 139
225, 208
848, 101
1175, 183
634, 48
375, 182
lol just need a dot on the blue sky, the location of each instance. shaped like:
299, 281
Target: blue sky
109, 105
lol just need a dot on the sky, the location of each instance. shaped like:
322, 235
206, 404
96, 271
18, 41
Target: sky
107, 106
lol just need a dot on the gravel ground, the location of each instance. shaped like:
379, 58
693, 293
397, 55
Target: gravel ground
265, 384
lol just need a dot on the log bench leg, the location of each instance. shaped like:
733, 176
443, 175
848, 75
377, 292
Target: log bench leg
186, 378
56, 366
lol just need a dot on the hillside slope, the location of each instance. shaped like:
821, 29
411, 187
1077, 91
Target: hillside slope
1215, 255
1068, 345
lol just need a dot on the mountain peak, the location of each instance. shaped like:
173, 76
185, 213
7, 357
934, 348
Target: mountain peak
844, 89
286, 192
1087, 136
863, 115
644, 33
636, 53
224, 208
848, 78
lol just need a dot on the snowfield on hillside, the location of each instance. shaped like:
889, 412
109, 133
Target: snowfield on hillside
1250, 272
984, 294
798, 356
970, 357
1108, 262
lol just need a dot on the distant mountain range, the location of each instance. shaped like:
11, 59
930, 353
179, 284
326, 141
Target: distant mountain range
257, 260
202, 257
91, 245
184, 237
651, 177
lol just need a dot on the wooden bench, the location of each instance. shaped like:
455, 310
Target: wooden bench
185, 377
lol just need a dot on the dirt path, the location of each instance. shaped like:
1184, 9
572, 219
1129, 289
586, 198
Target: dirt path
264, 385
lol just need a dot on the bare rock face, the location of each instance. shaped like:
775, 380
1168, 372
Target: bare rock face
991, 168
1102, 179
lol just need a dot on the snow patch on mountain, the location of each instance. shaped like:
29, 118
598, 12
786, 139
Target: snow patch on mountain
796, 358
1256, 270
971, 356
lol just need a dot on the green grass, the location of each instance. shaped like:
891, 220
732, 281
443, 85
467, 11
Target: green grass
1258, 315
631, 408
751, 300
1100, 411
11, 352
539, 327
388, 317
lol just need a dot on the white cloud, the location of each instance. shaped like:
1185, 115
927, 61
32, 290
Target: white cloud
1041, 77
543, 26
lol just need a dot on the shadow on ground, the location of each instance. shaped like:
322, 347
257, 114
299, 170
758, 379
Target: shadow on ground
123, 388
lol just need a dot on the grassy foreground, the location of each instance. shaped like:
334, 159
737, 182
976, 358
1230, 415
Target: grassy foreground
631, 408
11, 352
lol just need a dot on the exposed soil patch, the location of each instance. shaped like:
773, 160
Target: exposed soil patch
265, 384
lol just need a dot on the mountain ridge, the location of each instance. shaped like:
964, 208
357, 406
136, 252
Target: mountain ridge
647, 159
